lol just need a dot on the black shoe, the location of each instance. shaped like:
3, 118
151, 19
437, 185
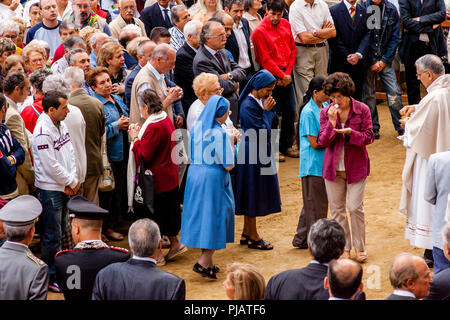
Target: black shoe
401, 132
301, 246
377, 134
205, 272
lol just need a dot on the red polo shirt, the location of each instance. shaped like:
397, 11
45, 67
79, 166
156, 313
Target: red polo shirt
275, 48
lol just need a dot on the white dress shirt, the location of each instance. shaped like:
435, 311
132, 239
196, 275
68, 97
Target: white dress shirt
304, 16
244, 59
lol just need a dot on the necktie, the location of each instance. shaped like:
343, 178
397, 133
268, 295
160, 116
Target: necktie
352, 13
166, 18
219, 58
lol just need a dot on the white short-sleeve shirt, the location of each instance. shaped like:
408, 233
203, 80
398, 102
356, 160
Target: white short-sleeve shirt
304, 17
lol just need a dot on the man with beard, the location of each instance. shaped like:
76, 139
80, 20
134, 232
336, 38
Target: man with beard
83, 17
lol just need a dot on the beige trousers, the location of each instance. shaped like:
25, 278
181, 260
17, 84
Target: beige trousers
90, 188
341, 195
310, 63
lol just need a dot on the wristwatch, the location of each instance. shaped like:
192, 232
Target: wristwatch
315, 33
230, 76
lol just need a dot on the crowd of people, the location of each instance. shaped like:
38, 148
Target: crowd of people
96, 99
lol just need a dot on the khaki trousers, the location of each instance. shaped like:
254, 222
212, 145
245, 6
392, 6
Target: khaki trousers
90, 188
310, 62
339, 192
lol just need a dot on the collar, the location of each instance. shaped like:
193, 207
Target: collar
348, 5
17, 243
12, 102
126, 22
434, 83
213, 52
257, 100
195, 50
162, 9
239, 26
306, 4
317, 262
144, 259
91, 244
103, 100
404, 293
155, 72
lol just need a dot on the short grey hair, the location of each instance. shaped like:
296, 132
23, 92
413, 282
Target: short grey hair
446, 234
71, 58
326, 239
206, 30
56, 82
73, 41
9, 25
132, 28
140, 47
94, 38
38, 77
402, 269
144, 238
432, 63
74, 76
191, 28
16, 233
162, 51
174, 12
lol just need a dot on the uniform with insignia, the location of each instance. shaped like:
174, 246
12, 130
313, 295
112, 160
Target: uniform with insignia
22, 275
76, 269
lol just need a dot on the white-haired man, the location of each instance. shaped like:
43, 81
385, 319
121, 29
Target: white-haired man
183, 74
94, 116
144, 281
9, 29
426, 132
127, 10
180, 16
161, 61
96, 42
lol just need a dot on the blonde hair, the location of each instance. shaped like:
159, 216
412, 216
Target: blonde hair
203, 82
247, 282
86, 33
33, 47
107, 52
201, 6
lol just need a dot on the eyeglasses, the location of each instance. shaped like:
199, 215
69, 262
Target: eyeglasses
222, 35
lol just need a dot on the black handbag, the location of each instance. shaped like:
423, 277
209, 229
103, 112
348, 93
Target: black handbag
143, 198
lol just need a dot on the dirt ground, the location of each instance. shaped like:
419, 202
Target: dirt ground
384, 227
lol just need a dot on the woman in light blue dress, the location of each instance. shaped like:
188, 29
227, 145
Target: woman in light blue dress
208, 210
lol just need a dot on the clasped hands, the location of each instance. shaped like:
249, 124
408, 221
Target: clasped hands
285, 81
71, 192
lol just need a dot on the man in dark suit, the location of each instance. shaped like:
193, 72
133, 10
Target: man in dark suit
139, 278
183, 74
212, 58
344, 279
157, 15
410, 277
326, 241
76, 269
422, 34
349, 47
238, 43
440, 287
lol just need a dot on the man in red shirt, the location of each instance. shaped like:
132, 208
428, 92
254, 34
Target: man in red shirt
275, 51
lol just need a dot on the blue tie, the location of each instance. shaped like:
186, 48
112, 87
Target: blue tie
167, 19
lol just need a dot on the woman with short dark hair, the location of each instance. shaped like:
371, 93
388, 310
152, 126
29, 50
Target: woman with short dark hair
153, 144
345, 130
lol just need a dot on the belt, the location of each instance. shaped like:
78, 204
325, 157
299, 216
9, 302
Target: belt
317, 45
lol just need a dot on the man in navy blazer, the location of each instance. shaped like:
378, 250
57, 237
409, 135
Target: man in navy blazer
212, 58
349, 47
238, 43
326, 242
422, 34
183, 74
139, 278
157, 15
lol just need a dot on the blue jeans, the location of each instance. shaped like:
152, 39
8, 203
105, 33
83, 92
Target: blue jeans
285, 107
53, 217
394, 96
440, 261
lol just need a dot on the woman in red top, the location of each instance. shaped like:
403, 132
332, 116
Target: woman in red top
153, 142
345, 130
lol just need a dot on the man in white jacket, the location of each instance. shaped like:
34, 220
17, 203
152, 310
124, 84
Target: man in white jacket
56, 174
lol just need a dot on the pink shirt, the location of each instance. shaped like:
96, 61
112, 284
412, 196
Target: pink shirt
356, 158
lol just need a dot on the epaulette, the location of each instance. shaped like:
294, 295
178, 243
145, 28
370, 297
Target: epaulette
119, 249
38, 261
62, 251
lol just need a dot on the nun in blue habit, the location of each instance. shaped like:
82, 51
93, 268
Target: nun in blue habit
257, 189
208, 207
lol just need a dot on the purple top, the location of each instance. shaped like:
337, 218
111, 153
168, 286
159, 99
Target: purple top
356, 158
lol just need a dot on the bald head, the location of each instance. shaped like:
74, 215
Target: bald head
163, 58
410, 272
344, 278
144, 51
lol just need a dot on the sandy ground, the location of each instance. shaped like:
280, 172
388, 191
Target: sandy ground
384, 227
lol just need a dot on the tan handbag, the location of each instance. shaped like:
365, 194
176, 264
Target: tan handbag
107, 180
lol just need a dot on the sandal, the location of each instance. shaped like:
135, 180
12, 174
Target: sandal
261, 244
205, 272
247, 239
